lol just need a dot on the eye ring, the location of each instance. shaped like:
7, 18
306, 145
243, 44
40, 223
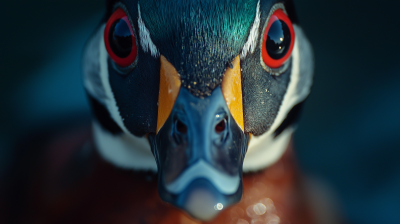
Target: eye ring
273, 59
120, 40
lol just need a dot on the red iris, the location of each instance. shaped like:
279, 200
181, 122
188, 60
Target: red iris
120, 39
278, 40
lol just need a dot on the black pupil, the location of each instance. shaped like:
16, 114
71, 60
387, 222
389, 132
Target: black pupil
120, 38
278, 41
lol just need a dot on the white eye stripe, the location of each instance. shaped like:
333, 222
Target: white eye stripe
251, 42
145, 40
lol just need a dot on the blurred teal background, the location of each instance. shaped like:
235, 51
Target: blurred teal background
349, 134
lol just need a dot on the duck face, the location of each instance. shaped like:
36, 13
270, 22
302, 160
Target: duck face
195, 79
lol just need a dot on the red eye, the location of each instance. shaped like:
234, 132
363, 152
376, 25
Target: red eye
120, 39
278, 40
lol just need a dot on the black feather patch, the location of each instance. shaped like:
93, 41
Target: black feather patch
289, 5
103, 116
291, 118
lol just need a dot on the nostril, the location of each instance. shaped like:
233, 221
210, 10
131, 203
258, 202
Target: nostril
220, 127
181, 127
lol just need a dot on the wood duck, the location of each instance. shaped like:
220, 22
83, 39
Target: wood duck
189, 89
195, 100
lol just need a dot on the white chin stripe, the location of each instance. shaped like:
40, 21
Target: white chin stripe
224, 183
125, 150
265, 150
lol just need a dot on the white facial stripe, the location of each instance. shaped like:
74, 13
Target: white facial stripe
145, 40
109, 101
125, 150
306, 65
252, 40
91, 68
224, 183
300, 79
298, 89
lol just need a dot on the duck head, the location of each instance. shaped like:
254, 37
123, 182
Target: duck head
188, 88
